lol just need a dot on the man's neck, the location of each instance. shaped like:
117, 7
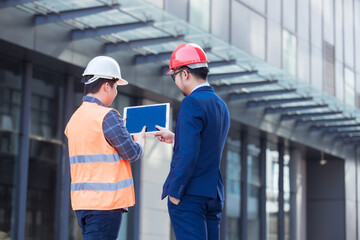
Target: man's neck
200, 84
97, 96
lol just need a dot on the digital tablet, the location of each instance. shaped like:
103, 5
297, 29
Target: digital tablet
146, 115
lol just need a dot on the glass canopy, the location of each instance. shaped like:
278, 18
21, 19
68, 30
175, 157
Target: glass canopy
152, 33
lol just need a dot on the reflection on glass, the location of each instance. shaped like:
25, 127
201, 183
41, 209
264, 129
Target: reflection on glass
287, 206
349, 33
289, 15
233, 170
339, 30
349, 87
10, 103
272, 191
329, 21
253, 161
46, 104
199, 13
244, 20
274, 44
303, 19
289, 52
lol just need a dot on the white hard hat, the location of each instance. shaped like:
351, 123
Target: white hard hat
104, 67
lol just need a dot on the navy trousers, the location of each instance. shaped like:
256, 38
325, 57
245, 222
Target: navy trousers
196, 218
96, 225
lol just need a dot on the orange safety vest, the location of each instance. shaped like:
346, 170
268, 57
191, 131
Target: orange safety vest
100, 179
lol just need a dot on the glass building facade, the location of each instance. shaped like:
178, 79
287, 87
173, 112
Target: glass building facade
276, 186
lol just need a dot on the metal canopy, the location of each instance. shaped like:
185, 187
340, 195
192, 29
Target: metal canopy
152, 34
277, 110
12, 3
225, 86
341, 133
322, 121
122, 46
276, 102
244, 94
307, 116
163, 56
105, 30
219, 76
336, 126
70, 14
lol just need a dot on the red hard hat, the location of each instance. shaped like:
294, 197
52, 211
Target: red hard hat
187, 54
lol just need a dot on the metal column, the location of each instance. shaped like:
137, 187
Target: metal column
281, 216
262, 199
22, 165
244, 186
65, 166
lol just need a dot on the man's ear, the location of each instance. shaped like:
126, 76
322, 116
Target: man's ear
106, 87
186, 74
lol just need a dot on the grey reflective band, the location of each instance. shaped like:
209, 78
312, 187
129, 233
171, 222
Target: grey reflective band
108, 158
91, 186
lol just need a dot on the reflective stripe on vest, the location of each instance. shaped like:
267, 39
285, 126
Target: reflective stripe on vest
100, 179
95, 158
102, 186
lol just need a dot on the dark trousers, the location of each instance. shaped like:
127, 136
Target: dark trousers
96, 224
196, 218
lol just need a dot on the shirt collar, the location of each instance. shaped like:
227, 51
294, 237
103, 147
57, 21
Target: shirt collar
201, 85
92, 100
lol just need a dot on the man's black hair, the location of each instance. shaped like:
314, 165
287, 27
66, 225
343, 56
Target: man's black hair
199, 72
95, 86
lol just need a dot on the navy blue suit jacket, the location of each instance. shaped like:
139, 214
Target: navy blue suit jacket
202, 125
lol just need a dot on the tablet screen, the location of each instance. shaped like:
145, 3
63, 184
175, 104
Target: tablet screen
147, 115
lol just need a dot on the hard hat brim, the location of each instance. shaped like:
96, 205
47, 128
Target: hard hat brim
170, 71
121, 82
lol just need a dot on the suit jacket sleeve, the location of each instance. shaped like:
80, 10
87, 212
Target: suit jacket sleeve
187, 145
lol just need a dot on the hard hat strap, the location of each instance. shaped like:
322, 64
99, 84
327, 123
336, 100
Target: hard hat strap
91, 80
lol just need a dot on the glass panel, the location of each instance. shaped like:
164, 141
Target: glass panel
254, 185
329, 21
316, 23
199, 13
303, 60
339, 31
289, 52
41, 197
357, 34
220, 19
47, 104
289, 15
274, 10
247, 21
339, 80
274, 44
233, 186
349, 33
177, 8
258, 5
10, 104
303, 17
287, 206
158, 3
272, 191
45, 152
349, 87
357, 81
316, 68
329, 52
